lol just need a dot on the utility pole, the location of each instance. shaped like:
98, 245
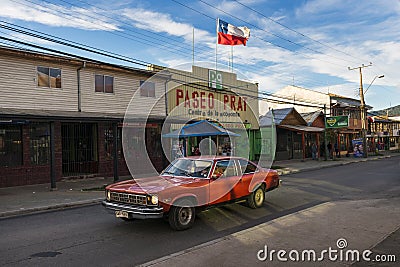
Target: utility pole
325, 141
362, 109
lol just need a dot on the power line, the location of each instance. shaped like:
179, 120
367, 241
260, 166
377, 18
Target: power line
139, 38
293, 30
280, 37
265, 94
249, 67
298, 52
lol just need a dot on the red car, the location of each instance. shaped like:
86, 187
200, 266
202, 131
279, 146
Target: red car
188, 185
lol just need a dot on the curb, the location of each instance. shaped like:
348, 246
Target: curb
287, 172
13, 213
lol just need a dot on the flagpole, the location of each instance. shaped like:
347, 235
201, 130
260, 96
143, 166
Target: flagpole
193, 47
216, 47
232, 58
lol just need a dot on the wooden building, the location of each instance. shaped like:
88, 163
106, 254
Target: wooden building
62, 116
294, 136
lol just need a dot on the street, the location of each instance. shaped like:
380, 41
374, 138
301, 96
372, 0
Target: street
93, 237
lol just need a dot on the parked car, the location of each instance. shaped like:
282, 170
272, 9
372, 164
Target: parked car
188, 185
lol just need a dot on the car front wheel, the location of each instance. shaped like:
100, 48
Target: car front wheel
256, 198
182, 215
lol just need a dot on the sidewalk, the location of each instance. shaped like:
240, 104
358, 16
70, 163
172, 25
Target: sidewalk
296, 165
20, 200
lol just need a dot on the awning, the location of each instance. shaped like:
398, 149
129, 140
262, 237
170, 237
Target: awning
302, 128
200, 128
29, 114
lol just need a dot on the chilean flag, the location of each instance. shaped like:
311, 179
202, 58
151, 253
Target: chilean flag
231, 35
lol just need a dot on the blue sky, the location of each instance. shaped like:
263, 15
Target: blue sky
306, 43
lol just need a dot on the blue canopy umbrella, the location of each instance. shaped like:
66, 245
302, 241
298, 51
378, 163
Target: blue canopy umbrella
200, 128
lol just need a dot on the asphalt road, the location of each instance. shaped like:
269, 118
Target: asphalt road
90, 236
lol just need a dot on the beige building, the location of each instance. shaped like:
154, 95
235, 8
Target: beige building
301, 98
63, 116
214, 95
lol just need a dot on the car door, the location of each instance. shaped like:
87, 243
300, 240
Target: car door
250, 174
224, 179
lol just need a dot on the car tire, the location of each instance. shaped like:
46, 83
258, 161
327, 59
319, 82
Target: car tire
181, 216
256, 198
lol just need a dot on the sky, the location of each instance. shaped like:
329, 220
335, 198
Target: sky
307, 43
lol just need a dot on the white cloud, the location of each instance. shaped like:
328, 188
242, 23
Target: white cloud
164, 23
55, 15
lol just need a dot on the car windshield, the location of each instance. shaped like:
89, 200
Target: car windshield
189, 167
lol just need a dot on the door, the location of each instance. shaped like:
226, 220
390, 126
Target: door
224, 178
79, 149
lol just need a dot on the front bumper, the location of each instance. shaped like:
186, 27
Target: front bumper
137, 212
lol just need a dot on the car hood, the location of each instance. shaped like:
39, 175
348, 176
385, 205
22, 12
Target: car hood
151, 185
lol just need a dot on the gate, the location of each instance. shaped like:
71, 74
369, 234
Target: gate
79, 149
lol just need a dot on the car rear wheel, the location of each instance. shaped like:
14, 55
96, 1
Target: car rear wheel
256, 198
181, 216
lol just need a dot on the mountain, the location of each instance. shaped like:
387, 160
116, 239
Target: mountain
393, 111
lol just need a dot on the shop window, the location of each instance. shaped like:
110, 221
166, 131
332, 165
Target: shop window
48, 77
147, 89
10, 145
39, 143
104, 84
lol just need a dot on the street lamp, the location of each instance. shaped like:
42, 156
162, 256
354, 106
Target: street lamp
377, 76
362, 109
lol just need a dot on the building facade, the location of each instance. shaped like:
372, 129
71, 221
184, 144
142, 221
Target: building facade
63, 117
218, 96
342, 137
383, 133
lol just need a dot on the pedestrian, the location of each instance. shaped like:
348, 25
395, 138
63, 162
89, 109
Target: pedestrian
197, 151
330, 149
336, 150
314, 151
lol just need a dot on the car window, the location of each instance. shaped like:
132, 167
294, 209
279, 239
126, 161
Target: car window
225, 168
189, 168
247, 167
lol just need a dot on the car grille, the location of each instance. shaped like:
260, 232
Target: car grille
128, 198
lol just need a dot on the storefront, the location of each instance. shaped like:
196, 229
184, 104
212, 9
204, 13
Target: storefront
294, 138
83, 146
228, 102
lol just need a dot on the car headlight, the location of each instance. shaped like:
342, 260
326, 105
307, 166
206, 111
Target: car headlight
153, 200
108, 195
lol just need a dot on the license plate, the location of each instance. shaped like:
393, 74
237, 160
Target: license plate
121, 214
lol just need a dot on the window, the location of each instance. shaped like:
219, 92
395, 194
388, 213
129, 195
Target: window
103, 83
225, 168
247, 167
48, 77
10, 145
39, 143
147, 89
